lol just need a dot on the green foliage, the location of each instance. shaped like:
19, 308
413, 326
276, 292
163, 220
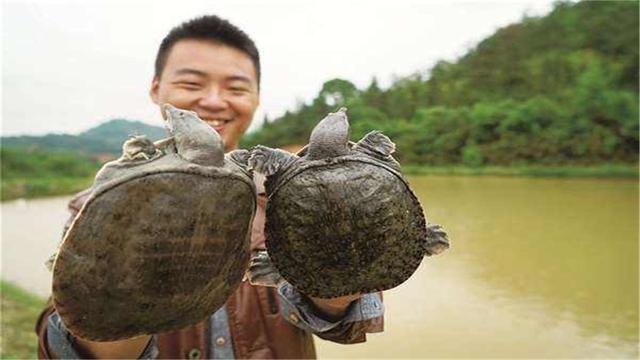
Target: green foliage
38, 187
34, 163
472, 155
556, 90
33, 172
19, 313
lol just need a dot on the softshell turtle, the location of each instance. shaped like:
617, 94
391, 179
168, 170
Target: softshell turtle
340, 217
163, 239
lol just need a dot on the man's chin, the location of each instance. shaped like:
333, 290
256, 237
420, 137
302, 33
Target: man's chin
227, 146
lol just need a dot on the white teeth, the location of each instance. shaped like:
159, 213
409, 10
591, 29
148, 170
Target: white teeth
216, 122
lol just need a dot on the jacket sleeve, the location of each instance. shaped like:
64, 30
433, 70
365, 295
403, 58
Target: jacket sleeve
364, 315
43, 320
41, 332
55, 341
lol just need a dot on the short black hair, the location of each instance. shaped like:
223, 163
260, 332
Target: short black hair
212, 28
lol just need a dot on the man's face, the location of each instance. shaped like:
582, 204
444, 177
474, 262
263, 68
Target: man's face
216, 81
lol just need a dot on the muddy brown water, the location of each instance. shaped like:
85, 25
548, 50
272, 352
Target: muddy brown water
539, 268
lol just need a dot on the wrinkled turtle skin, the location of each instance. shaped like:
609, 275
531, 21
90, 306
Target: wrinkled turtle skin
341, 218
163, 239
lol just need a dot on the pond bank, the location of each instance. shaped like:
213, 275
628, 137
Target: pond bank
591, 171
44, 187
29, 188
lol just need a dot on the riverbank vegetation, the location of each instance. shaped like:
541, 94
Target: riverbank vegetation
20, 310
555, 91
594, 171
28, 173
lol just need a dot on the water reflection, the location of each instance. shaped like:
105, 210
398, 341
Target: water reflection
31, 231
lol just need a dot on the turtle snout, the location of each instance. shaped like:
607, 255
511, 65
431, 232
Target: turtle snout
171, 112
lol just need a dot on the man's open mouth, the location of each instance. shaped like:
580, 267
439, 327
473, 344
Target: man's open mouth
217, 124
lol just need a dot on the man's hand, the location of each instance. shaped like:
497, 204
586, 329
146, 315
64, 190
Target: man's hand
335, 308
122, 349
262, 272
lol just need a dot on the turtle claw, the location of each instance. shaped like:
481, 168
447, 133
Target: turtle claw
257, 158
437, 240
240, 157
376, 143
262, 272
379, 146
268, 161
138, 147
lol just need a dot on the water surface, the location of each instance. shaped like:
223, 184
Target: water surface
539, 268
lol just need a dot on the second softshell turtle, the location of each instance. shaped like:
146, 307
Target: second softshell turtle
340, 217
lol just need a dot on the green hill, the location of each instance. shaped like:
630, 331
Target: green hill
555, 90
53, 164
33, 172
106, 138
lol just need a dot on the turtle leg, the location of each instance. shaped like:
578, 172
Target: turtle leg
240, 157
141, 156
269, 161
262, 272
138, 148
379, 146
437, 239
376, 143
162, 143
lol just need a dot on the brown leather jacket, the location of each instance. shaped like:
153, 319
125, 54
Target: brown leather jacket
258, 329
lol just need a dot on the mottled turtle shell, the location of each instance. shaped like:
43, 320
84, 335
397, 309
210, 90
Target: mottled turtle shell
344, 225
340, 217
159, 245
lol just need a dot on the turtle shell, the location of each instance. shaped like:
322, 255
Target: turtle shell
144, 255
343, 225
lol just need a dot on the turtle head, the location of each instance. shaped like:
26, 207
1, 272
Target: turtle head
178, 121
330, 138
195, 141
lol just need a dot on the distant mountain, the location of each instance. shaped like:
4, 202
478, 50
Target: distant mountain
106, 138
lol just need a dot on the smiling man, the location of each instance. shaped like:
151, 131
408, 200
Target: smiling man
217, 81
209, 66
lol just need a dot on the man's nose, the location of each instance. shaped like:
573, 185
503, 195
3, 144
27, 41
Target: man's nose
214, 100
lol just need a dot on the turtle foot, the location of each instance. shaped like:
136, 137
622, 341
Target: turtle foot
269, 161
437, 240
262, 272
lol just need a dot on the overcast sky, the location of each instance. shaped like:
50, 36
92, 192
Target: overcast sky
69, 65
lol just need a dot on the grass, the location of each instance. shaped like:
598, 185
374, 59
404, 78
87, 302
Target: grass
14, 188
19, 313
594, 171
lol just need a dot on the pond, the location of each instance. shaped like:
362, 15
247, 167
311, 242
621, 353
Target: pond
539, 268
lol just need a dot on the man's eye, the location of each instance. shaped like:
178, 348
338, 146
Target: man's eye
238, 89
189, 85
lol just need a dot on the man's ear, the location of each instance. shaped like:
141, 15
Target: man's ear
153, 91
